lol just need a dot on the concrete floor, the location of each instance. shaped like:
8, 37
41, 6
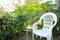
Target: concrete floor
38, 38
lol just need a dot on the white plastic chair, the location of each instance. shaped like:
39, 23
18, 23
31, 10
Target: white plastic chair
49, 21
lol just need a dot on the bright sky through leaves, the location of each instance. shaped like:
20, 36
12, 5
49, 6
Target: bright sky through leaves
8, 4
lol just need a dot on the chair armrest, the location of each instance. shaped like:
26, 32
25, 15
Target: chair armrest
35, 25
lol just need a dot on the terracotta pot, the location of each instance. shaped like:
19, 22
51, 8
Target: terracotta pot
31, 24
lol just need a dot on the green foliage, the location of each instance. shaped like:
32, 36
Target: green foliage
31, 1
40, 25
33, 8
14, 25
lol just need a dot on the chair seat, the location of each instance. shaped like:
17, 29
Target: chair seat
41, 33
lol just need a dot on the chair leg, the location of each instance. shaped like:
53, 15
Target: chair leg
48, 38
32, 36
26, 32
40, 37
52, 37
36, 36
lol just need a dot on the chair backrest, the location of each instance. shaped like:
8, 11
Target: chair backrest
49, 20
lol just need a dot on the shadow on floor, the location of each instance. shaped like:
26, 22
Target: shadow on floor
38, 38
